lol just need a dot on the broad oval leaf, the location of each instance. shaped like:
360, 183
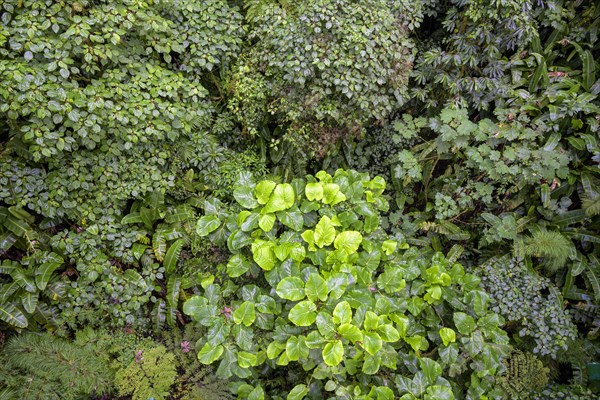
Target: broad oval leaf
243, 194
350, 332
464, 323
245, 314
324, 232
333, 353
303, 313
291, 288
282, 198
207, 224
349, 241
263, 191
372, 342
342, 313
298, 392
316, 288
209, 354
314, 191
238, 265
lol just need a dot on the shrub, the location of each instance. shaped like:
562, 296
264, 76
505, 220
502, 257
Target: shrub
315, 286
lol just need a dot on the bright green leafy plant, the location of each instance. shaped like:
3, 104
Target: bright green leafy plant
315, 286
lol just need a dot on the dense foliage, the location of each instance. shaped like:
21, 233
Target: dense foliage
276, 199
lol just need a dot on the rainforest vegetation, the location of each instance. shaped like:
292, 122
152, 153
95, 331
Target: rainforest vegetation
315, 199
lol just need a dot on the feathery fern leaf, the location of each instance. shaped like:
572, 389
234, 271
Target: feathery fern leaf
551, 246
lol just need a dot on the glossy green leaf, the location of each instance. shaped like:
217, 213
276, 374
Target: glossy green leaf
30, 301
342, 313
263, 191
244, 195
431, 369
314, 191
388, 333
303, 313
296, 348
209, 354
43, 273
291, 288
207, 224
372, 342
464, 323
316, 288
448, 336
371, 364
438, 392
246, 360
350, 332
282, 198
12, 315
332, 194
298, 392
349, 241
333, 353
371, 321
238, 265
389, 246
245, 314
264, 255
324, 232
266, 222
325, 325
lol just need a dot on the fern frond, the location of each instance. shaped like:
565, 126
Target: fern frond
591, 204
551, 246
